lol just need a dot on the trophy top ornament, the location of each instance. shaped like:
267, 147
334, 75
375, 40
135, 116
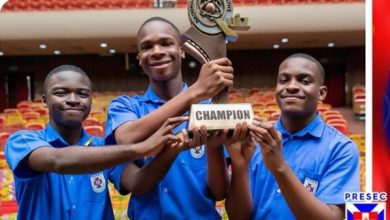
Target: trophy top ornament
203, 14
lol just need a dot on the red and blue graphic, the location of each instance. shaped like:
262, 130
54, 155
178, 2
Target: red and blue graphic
381, 81
365, 211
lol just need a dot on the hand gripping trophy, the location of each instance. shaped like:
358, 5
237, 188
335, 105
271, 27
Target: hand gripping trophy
212, 25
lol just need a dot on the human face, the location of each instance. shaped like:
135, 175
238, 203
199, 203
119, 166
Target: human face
159, 51
68, 98
299, 88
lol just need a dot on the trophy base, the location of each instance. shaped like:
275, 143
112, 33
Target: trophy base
211, 132
219, 116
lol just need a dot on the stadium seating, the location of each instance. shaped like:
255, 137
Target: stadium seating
263, 103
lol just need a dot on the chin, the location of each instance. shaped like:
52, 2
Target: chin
291, 108
164, 77
292, 111
73, 123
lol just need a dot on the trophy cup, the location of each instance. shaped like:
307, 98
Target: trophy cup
212, 24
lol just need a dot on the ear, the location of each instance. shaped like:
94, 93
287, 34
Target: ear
323, 92
44, 101
137, 57
182, 53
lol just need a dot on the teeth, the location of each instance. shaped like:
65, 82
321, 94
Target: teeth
161, 63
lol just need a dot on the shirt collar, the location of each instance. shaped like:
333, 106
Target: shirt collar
54, 137
314, 128
150, 95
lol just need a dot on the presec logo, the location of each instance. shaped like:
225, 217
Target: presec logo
365, 205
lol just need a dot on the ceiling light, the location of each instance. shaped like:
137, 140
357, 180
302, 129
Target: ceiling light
57, 52
192, 64
1, 53
42, 46
112, 51
276, 46
284, 40
331, 44
103, 45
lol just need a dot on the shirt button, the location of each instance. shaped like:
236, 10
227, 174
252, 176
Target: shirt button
165, 190
278, 191
71, 178
73, 206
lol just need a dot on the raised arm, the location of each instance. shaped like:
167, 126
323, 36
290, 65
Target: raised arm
214, 76
143, 180
76, 159
303, 204
239, 200
217, 175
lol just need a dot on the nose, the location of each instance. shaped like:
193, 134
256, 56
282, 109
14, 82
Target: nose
157, 50
292, 86
72, 99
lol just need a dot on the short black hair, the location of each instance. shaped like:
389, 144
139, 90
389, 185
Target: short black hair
157, 18
62, 68
311, 58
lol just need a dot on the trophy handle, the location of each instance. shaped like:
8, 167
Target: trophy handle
205, 48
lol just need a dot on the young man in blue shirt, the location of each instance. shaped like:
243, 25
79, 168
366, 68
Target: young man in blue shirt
174, 184
61, 172
303, 166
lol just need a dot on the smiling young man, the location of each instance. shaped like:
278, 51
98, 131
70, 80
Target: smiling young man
172, 185
61, 172
303, 166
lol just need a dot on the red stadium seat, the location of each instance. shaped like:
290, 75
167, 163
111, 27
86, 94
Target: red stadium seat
8, 207
28, 116
341, 127
96, 130
35, 126
3, 138
91, 121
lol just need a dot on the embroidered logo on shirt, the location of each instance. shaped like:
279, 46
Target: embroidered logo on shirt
98, 182
310, 185
197, 152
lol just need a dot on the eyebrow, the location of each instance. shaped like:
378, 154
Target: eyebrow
159, 40
299, 74
67, 88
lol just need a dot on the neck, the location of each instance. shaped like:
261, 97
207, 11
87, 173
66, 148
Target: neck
166, 90
70, 134
295, 123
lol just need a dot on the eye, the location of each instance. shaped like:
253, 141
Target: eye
305, 80
84, 94
167, 43
143, 47
282, 80
60, 93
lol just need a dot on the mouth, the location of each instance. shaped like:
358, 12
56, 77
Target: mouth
74, 110
292, 98
160, 64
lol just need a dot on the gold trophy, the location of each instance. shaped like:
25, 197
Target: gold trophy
212, 25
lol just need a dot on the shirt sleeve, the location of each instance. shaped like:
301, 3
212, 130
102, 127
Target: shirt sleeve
342, 175
253, 169
120, 110
18, 147
115, 175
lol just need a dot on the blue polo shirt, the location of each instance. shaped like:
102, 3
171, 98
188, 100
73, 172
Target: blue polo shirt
183, 193
57, 196
324, 160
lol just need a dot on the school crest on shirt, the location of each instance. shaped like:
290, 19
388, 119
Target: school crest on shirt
197, 152
98, 182
311, 185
